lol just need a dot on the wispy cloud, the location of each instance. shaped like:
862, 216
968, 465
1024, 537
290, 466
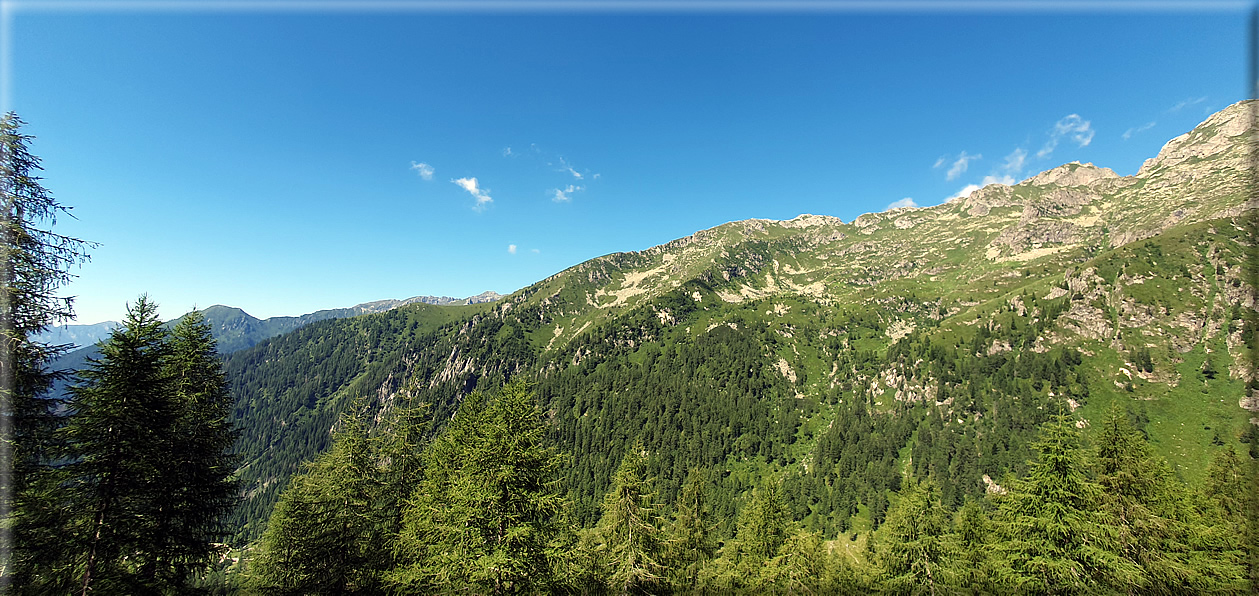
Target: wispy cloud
482, 195
564, 167
535, 251
507, 152
959, 165
424, 170
1071, 126
511, 249
1015, 161
905, 202
964, 192
1006, 180
564, 195
939, 162
1127, 134
1186, 103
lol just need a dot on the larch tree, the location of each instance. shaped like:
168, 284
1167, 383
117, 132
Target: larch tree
1178, 550
691, 543
485, 515
321, 536
916, 544
1229, 495
762, 530
34, 263
628, 538
1055, 537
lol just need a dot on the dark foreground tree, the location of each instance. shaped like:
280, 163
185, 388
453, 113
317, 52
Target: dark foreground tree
118, 440
147, 472
200, 490
34, 263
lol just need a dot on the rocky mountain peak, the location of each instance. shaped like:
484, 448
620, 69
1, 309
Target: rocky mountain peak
1072, 174
1214, 136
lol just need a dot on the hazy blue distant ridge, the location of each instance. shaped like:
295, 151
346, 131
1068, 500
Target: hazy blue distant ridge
236, 329
233, 328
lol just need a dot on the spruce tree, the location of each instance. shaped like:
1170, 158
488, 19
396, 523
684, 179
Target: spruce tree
118, 439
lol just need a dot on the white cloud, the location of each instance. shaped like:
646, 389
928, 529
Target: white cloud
564, 167
905, 202
507, 152
965, 192
1186, 103
1015, 161
959, 166
1071, 126
1127, 134
511, 248
1006, 180
482, 195
424, 170
990, 179
565, 195
939, 162
534, 251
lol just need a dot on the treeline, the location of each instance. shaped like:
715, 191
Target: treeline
480, 509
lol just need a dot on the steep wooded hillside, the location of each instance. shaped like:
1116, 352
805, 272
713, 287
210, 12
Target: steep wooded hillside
840, 356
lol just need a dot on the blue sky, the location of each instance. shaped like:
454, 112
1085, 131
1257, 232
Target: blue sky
290, 161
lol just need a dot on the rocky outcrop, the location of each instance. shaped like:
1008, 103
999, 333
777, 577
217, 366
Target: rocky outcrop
1211, 138
1072, 174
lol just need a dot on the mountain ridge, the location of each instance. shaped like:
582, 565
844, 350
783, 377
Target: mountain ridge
79, 336
1075, 288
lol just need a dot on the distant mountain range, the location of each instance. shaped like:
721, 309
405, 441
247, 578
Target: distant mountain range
236, 329
233, 328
